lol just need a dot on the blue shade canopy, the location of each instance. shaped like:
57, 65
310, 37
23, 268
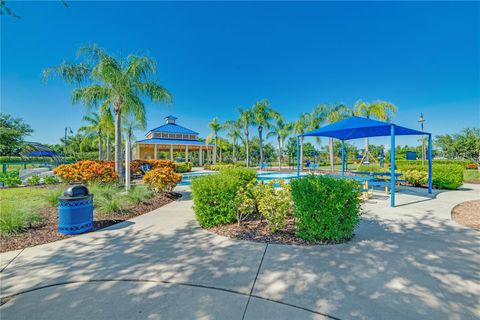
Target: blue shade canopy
42, 154
359, 127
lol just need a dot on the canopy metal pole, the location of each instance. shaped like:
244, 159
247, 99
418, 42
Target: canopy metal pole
343, 158
298, 156
429, 163
392, 166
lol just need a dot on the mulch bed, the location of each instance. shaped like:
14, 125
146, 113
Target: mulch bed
468, 214
47, 231
257, 230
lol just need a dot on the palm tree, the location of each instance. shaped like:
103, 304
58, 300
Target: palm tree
109, 128
94, 127
332, 114
381, 110
262, 115
281, 130
234, 128
111, 82
216, 127
246, 120
300, 127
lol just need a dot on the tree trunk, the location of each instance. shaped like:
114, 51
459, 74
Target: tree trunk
233, 151
109, 147
247, 148
100, 145
332, 160
279, 154
260, 130
131, 147
118, 139
367, 154
301, 152
215, 149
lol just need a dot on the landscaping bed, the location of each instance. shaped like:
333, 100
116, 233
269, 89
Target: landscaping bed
468, 214
258, 230
46, 231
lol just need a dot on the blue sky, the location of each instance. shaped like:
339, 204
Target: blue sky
214, 57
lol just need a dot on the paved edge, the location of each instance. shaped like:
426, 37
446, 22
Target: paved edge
9, 298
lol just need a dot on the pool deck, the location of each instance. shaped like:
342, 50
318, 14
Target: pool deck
408, 262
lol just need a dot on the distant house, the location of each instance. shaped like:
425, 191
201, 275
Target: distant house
170, 138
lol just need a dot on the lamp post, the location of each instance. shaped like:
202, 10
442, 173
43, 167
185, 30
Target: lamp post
67, 130
422, 120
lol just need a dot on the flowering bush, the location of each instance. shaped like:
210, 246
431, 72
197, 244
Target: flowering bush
162, 179
87, 171
416, 178
471, 166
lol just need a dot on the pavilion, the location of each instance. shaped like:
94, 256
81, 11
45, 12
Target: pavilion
171, 138
359, 127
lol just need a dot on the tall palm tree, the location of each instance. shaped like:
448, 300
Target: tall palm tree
300, 127
246, 120
94, 127
216, 127
262, 115
113, 82
281, 130
380, 110
331, 114
234, 128
109, 129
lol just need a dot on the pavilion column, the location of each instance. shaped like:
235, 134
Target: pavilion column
200, 156
343, 158
298, 156
137, 152
171, 152
186, 153
155, 151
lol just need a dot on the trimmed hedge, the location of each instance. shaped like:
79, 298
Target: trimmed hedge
402, 163
215, 196
325, 208
444, 176
183, 167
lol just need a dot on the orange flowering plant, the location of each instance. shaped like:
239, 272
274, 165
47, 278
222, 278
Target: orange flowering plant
87, 171
162, 179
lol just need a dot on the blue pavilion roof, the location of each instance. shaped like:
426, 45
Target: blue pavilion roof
174, 142
173, 128
359, 127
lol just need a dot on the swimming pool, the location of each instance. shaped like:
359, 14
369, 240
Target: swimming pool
261, 176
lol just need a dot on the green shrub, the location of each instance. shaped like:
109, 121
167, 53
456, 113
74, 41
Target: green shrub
325, 208
274, 204
373, 168
33, 180
247, 204
444, 176
416, 178
447, 176
10, 179
17, 220
51, 197
50, 179
183, 167
215, 196
401, 163
139, 194
113, 203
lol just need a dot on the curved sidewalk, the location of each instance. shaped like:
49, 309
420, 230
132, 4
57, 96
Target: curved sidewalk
409, 262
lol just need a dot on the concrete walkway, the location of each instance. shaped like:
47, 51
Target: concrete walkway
410, 262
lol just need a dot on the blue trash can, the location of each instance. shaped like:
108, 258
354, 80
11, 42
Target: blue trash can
75, 210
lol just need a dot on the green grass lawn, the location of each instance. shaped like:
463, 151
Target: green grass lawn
19, 208
471, 176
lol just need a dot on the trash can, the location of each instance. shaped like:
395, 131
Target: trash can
75, 210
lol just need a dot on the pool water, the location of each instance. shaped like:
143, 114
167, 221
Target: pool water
261, 176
